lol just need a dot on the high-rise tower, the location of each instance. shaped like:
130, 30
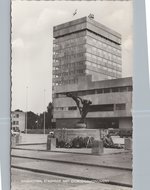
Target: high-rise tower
85, 47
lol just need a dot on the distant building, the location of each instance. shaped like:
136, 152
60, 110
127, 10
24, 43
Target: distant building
85, 47
111, 103
18, 119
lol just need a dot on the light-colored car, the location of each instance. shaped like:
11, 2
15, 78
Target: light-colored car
15, 131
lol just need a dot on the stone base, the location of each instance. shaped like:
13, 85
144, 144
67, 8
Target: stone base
51, 143
80, 125
97, 147
69, 134
128, 144
15, 139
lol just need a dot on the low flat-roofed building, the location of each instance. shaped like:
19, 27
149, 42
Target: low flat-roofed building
18, 119
111, 103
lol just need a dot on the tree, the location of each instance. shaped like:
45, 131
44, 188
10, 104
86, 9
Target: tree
49, 115
50, 109
32, 120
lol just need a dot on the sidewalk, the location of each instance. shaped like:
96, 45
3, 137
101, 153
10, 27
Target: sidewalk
75, 171
21, 180
122, 160
98, 186
42, 147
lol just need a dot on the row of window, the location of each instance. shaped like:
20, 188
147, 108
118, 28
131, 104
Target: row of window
85, 33
99, 75
69, 51
98, 37
97, 57
102, 53
68, 81
105, 64
15, 122
97, 91
69, 57
87, 56
104, 58
103, 46
73, 74
105, 71
16, 115
64, 66
95, 108
64, 78
93, 52
71, 45
69, 72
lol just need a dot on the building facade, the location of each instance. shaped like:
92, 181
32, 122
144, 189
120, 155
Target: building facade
85, 47
111, 103
18, 119
87, 63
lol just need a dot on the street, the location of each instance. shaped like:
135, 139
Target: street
25, 180
112, 169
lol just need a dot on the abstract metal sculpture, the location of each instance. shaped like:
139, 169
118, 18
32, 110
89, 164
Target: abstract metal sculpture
82, 104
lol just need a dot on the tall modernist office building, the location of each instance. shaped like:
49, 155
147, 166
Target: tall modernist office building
85, 47
87, 63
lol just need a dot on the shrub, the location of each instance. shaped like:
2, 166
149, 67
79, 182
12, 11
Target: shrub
77, 142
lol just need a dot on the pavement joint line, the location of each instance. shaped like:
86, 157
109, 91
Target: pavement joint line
69, 175
26, 144
70, 162
68, 152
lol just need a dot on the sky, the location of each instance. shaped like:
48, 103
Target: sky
32, 43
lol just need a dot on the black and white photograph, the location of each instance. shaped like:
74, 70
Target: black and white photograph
71, 95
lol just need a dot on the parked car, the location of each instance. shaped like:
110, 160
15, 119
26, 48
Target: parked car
15, 131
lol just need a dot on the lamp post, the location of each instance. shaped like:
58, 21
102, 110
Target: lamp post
26, 115
44, 112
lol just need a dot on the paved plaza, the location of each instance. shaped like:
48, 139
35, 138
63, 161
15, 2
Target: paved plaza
21, 180
33, 167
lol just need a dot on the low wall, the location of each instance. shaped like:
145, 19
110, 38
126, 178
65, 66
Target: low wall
68, 134
38, 131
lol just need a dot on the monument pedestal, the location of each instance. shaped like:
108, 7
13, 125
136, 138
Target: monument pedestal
80, 126
67, 135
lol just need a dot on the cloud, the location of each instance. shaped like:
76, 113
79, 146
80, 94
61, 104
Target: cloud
46, 18
49, 16
18, 43
128, 43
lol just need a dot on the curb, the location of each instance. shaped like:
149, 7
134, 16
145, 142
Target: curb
70, 162
69, 152
70, 176
26, 144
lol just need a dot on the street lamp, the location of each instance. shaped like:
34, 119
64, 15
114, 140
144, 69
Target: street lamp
26, 115
44, 112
